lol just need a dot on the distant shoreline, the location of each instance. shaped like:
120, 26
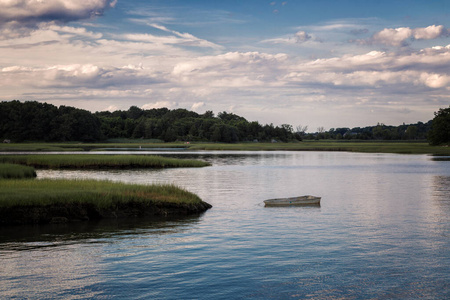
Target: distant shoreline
400, 147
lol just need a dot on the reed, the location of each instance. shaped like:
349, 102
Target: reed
102, 194
96, 161
13, 171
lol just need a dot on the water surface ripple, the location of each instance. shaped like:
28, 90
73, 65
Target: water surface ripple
381, 232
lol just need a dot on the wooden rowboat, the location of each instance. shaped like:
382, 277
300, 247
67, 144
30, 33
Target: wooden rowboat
302, 200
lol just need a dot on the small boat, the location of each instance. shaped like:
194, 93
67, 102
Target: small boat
302, 200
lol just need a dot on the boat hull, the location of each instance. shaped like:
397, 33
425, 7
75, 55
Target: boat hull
293, 201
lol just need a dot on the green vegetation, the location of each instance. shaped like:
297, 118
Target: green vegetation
45, 122
406, 147
34, 121
59, 201
94, 161
27, 147
440, 130
12, 171
380, 132
329, 145
102, 194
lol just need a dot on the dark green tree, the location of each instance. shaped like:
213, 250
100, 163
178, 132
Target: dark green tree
440, 128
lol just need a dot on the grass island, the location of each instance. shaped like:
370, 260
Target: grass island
29, 201
95, 161
25, 200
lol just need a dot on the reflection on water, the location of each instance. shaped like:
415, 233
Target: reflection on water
381, 232
31, 237
441, 186
68, 259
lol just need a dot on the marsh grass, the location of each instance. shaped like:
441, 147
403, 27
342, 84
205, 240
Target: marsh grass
400, 147
95, 161
14, 171
102, 194
403, 147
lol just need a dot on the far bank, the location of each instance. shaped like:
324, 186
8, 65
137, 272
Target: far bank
400, 147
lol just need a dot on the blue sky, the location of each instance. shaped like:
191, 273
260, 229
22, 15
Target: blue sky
318, 63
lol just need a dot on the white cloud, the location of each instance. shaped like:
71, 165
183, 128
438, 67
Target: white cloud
434, 80
74, 75
399, 36
233, 69
196, 106
392, 36
160, 104
73, 31
178, 39
430, 32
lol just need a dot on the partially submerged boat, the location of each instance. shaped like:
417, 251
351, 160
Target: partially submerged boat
302, 200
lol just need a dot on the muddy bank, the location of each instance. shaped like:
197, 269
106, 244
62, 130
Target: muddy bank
76, 212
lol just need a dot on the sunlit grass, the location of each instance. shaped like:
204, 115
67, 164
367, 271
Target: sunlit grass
94, 161
9, 171
102, 194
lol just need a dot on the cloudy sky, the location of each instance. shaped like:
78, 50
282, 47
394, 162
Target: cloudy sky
321, 63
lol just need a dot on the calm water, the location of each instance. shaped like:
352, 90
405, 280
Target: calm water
382, 232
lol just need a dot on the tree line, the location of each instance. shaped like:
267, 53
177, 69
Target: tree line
36, 121
418, 131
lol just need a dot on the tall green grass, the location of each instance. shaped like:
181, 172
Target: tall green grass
98, 161
9, 171
102, 194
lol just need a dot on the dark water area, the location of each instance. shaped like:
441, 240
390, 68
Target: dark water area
382, 232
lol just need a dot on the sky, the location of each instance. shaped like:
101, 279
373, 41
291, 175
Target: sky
320, 63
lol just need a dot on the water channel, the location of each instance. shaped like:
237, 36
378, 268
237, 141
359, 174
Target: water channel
382, 231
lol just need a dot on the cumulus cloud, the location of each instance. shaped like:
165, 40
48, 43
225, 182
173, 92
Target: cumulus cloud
428, 68
233, 69
35, 11
430, 32
400, 36
73, 76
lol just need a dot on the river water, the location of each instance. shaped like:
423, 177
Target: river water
382, 232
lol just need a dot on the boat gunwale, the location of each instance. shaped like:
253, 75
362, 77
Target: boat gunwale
291, 201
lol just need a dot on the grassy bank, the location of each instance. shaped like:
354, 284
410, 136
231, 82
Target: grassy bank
100, 193
41, 201
93, 161
359, 146
13, 171
404, 147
